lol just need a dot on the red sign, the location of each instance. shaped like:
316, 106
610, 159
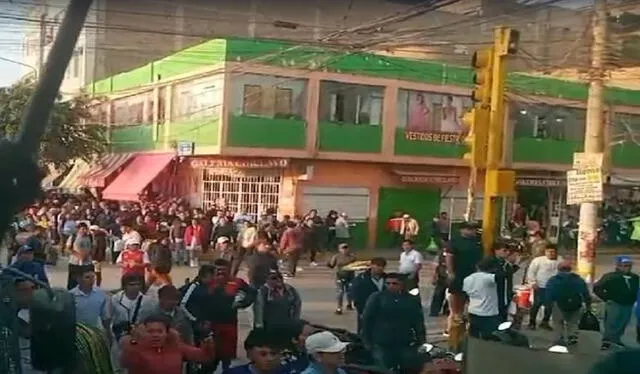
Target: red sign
277, 163
436, 137
431, 179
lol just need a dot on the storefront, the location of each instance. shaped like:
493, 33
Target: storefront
543, 196
370, 194
252, 186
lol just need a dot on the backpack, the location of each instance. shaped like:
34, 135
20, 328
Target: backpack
569, 299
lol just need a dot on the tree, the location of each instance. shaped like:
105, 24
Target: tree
71, 133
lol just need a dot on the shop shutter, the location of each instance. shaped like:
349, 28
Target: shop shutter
352, 200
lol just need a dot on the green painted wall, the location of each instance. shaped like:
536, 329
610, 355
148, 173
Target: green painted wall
421, 203
306, 57
545, 150
136, 138
139, 138
626, 155
359, 235
247, 131
406, 147
336, 137
203, 132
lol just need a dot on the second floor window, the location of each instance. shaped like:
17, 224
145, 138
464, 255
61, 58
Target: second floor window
351, 103
270, 102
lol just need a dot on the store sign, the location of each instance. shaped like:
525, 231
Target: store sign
436, 137
540, 182
430, 179
185, 148
214, 163
584, 186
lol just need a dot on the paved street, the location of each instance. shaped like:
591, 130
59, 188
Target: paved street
316, 287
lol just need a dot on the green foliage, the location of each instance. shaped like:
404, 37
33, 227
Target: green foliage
71, 133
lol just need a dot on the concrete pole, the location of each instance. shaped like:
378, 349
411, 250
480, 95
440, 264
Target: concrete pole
593, 141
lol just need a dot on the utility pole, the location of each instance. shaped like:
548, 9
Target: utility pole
593, 141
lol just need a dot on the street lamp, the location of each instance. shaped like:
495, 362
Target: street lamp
35, 71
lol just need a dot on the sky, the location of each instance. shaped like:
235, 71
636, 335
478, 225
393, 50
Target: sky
12, 35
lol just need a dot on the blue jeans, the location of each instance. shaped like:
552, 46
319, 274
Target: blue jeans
616, 319
539, 300
343, 287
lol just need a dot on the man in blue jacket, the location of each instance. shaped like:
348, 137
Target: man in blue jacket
26, 264
567, 293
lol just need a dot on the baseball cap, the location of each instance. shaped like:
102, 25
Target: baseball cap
623, 260
24, 249
94, 227
222, 239
324, 342
132, 241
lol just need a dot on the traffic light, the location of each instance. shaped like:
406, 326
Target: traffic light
482, 63
476, 123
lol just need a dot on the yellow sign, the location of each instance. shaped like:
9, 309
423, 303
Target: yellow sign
584, 186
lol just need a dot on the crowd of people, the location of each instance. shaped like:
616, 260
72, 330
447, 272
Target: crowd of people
154, 325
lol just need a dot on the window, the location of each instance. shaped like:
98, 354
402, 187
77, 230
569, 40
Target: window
252, 100
350, 103
76, 65
284, 101
267, 102
253, 194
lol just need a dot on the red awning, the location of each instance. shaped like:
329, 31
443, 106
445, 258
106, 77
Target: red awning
103, 170
136, 176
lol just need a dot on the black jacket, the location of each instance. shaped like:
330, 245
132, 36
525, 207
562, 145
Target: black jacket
392, 319
613, 287
361, 288
504, 280
194, 301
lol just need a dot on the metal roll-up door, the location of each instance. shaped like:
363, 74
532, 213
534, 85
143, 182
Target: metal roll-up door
352, 200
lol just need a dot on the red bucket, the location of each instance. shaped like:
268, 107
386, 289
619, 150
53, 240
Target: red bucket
523, 296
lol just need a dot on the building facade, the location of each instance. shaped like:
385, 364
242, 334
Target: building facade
257, 125
121, 35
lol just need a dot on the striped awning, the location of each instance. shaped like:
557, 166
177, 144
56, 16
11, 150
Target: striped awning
71, 183
103, 171
52, 175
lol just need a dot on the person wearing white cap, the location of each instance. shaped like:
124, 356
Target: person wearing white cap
133, 260
224, 248
327, 352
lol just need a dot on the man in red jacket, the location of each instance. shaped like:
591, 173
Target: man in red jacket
227, 294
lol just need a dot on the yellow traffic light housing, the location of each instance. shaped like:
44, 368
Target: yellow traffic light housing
476, 122
482, 63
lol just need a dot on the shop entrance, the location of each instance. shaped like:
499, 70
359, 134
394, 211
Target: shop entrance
421, 203
545, 205
251, 193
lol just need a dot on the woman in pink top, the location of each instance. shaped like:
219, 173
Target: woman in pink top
419, 115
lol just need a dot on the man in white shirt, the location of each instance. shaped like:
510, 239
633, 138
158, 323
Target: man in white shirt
540, 271
410, 264
484, 313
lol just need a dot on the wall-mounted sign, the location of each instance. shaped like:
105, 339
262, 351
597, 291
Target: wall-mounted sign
540, 182
239, 163
185, 148
431, 179
436, 137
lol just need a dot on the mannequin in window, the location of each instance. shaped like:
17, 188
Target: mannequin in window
450, 117
419, 115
